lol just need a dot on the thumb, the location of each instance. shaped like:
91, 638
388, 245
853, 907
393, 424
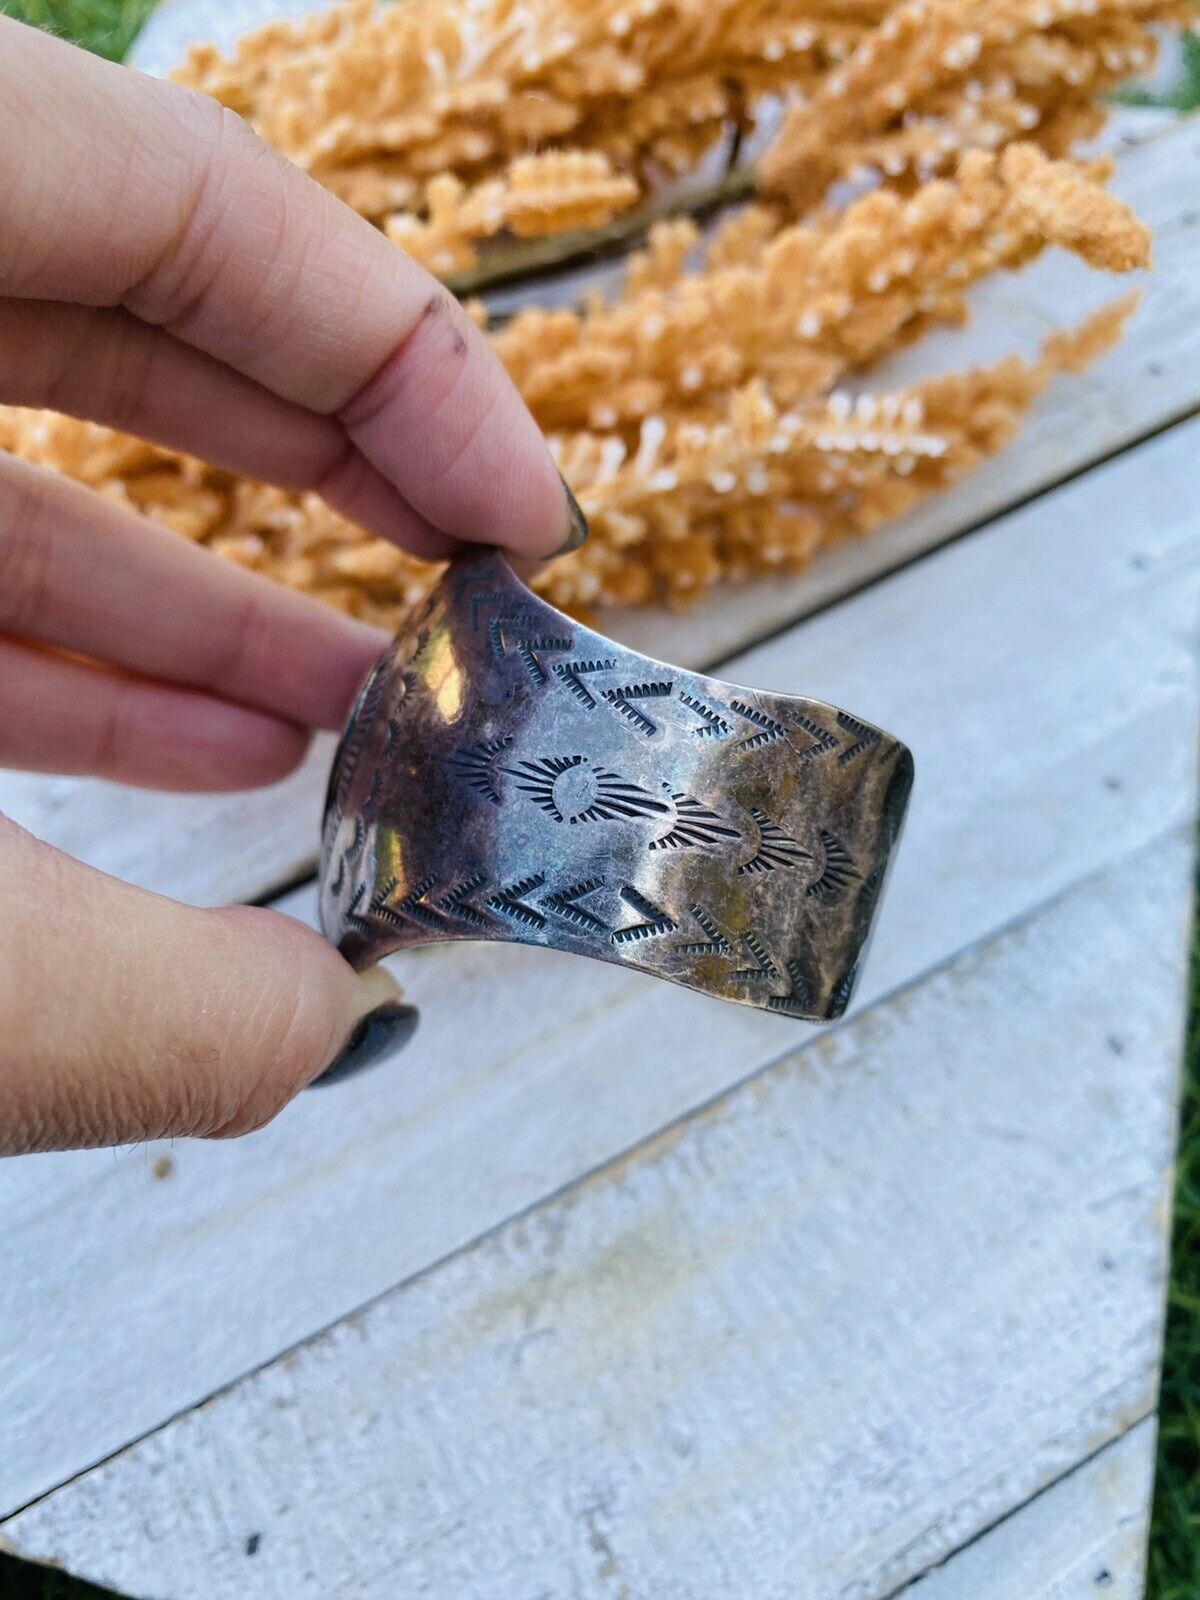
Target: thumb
125, 1016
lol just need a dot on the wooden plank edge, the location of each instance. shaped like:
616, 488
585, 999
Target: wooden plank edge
1108, 1416
377, 1135
1082, 1537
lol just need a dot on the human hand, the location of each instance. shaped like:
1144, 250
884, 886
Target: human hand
165, 272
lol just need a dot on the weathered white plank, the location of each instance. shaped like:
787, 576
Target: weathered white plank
1082, 1539
174, 25
1044, 674
212, 850
805, 1344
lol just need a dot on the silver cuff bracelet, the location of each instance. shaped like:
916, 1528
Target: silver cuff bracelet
509, 774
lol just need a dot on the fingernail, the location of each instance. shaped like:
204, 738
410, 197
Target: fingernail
385, 1024
579, 528
380, 1033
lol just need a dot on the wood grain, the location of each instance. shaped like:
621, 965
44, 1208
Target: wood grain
212, 850
803, 1344
1082, 1539
1043, 672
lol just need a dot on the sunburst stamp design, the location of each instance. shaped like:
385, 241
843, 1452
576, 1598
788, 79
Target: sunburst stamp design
776, 849
694, 826
574, 789
837, 870
474, 766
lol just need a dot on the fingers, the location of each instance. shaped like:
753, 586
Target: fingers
60, 714
119, 190
104, 365
89, 576
124, 1016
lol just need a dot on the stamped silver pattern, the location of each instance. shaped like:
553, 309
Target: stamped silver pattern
508, 774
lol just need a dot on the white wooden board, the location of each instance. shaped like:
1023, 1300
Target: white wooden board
1044, 673
243, 847
1082, 1539
800, 1346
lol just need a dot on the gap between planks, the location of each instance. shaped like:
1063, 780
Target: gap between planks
607, 1168
1107, 1550
1032, 667
925, 1319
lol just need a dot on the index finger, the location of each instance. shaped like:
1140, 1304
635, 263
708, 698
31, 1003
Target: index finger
120, 190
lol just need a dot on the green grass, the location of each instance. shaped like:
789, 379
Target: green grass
105, 26
1175, 1531
1184, 95
109, 27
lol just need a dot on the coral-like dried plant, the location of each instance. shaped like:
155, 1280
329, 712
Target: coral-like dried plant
942, 76
800, 305
426, 116
536, 196
378, 101
702, 413
762, 486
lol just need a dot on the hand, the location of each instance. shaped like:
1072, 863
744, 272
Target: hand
165, 272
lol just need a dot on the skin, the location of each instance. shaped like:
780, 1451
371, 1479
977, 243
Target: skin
165, 272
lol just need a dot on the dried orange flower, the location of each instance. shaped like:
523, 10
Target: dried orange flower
942, 76
704, 413
761, 487
725, 453
379, 100
800, 306
536, 196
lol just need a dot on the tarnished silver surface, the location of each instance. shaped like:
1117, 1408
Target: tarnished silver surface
509, 774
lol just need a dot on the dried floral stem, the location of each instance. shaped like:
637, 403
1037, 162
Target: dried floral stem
527, 259
697, 413
942, 76
761, 487
817, 300
377, 100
